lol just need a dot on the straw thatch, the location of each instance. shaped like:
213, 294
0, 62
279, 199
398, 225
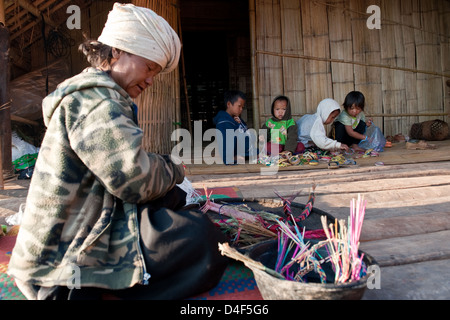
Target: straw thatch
311, 50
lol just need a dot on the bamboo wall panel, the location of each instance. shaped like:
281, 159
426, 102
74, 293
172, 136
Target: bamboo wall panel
269, 68
327, 50
317, 44
429, 87
159, 105
392, 53
444, 10
341, 47
292, 43
407, 20
366, 49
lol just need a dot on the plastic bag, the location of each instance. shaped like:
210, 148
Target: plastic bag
375, 139
16, 219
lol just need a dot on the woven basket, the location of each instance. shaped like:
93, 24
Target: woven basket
433, 130
272, 288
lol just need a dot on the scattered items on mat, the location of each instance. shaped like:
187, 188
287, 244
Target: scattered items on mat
314, 156
247, 226
419, 145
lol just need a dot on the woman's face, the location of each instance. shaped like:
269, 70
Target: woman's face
133, 73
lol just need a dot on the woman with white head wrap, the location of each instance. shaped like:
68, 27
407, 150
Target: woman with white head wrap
100, 214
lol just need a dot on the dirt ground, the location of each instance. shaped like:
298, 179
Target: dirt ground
407, 222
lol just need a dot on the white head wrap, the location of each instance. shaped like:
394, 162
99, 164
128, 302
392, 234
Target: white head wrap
326, 107
142, 32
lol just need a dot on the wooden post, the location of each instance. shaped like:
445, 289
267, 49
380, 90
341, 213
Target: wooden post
254, 64
5, 113
2, 12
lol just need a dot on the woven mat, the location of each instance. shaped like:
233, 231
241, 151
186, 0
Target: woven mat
237, 282
8, 288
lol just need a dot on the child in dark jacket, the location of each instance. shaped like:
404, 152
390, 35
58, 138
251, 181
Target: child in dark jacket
235, 143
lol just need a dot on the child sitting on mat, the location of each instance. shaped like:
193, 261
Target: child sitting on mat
311, 127
351, 124
282, 129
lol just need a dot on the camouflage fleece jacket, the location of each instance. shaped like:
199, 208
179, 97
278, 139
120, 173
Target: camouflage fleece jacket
80, 222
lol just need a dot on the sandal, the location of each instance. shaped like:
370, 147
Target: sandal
333, 165
421, 145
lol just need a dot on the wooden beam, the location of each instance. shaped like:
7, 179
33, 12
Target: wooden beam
35, 12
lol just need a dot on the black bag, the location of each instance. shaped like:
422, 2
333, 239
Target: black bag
180, 250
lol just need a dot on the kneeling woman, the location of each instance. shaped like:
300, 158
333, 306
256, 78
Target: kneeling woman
102, 215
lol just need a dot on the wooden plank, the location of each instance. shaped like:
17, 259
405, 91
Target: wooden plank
418, 281
409, 249
398, 154
394, 227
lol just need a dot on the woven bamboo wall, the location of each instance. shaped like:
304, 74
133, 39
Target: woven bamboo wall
158, 105
311, 50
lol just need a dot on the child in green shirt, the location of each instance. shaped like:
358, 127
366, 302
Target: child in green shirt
351, 124
282, 129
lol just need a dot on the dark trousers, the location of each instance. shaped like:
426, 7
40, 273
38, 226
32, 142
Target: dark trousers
342, 136
180, 248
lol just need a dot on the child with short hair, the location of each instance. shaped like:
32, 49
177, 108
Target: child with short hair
311, 127
230, 120
351, 124
282, 129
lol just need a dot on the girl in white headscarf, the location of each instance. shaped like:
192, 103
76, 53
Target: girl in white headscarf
311, 127
103, 215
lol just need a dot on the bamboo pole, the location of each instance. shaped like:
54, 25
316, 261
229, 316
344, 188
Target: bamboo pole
372, 65
254, 66
183, 70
